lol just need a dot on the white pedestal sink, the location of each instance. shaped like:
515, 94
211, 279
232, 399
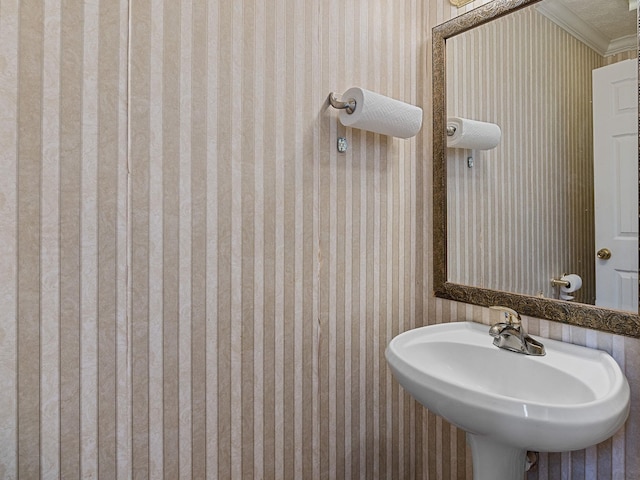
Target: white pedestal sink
508, 403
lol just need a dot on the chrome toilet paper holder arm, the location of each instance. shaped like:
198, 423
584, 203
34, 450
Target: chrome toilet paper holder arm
349, 105
558, 282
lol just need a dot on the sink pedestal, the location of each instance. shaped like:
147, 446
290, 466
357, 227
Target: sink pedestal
494, 460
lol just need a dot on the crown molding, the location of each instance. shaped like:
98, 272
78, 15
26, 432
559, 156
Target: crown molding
572, 24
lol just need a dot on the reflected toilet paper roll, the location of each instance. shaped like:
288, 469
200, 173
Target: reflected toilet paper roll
575, 283
473, 134
380, 114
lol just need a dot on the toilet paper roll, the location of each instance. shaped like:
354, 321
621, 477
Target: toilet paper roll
380, 114
575, 283
473, 134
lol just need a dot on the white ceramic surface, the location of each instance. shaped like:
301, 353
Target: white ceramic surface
569, 399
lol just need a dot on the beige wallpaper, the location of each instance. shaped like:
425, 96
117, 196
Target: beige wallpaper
63, 197
195, 283
268, 271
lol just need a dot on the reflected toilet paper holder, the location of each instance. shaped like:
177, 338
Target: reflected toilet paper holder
472, 134
567, 284
558, 282
451, 131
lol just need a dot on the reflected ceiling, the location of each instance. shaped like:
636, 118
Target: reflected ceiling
607, 26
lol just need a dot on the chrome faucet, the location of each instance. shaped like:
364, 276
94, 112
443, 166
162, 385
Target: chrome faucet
511, 336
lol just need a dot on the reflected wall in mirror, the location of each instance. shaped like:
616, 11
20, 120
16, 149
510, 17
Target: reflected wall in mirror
524, 213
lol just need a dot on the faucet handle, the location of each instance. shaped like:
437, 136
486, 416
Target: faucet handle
511, 315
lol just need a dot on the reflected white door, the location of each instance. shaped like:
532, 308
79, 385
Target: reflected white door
615, 145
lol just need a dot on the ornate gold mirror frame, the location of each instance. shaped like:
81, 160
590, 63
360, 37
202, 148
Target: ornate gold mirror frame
588, 316
459, 3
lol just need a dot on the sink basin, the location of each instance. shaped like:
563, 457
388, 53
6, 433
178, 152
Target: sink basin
507, 402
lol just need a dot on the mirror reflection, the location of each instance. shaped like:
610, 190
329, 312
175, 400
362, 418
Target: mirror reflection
560, 190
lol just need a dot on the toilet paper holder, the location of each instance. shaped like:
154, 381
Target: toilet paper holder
558, 282
373, 112
349, 105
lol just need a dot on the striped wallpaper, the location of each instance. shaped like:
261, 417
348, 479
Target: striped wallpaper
195, 283
63, 210
524, 213
268, 271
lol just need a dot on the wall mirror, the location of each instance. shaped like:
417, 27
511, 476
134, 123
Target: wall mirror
525, 212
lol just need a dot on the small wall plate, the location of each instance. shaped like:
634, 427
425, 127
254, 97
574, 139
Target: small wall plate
342, 144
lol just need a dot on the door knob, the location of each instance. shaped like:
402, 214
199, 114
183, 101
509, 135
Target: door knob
604, 254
